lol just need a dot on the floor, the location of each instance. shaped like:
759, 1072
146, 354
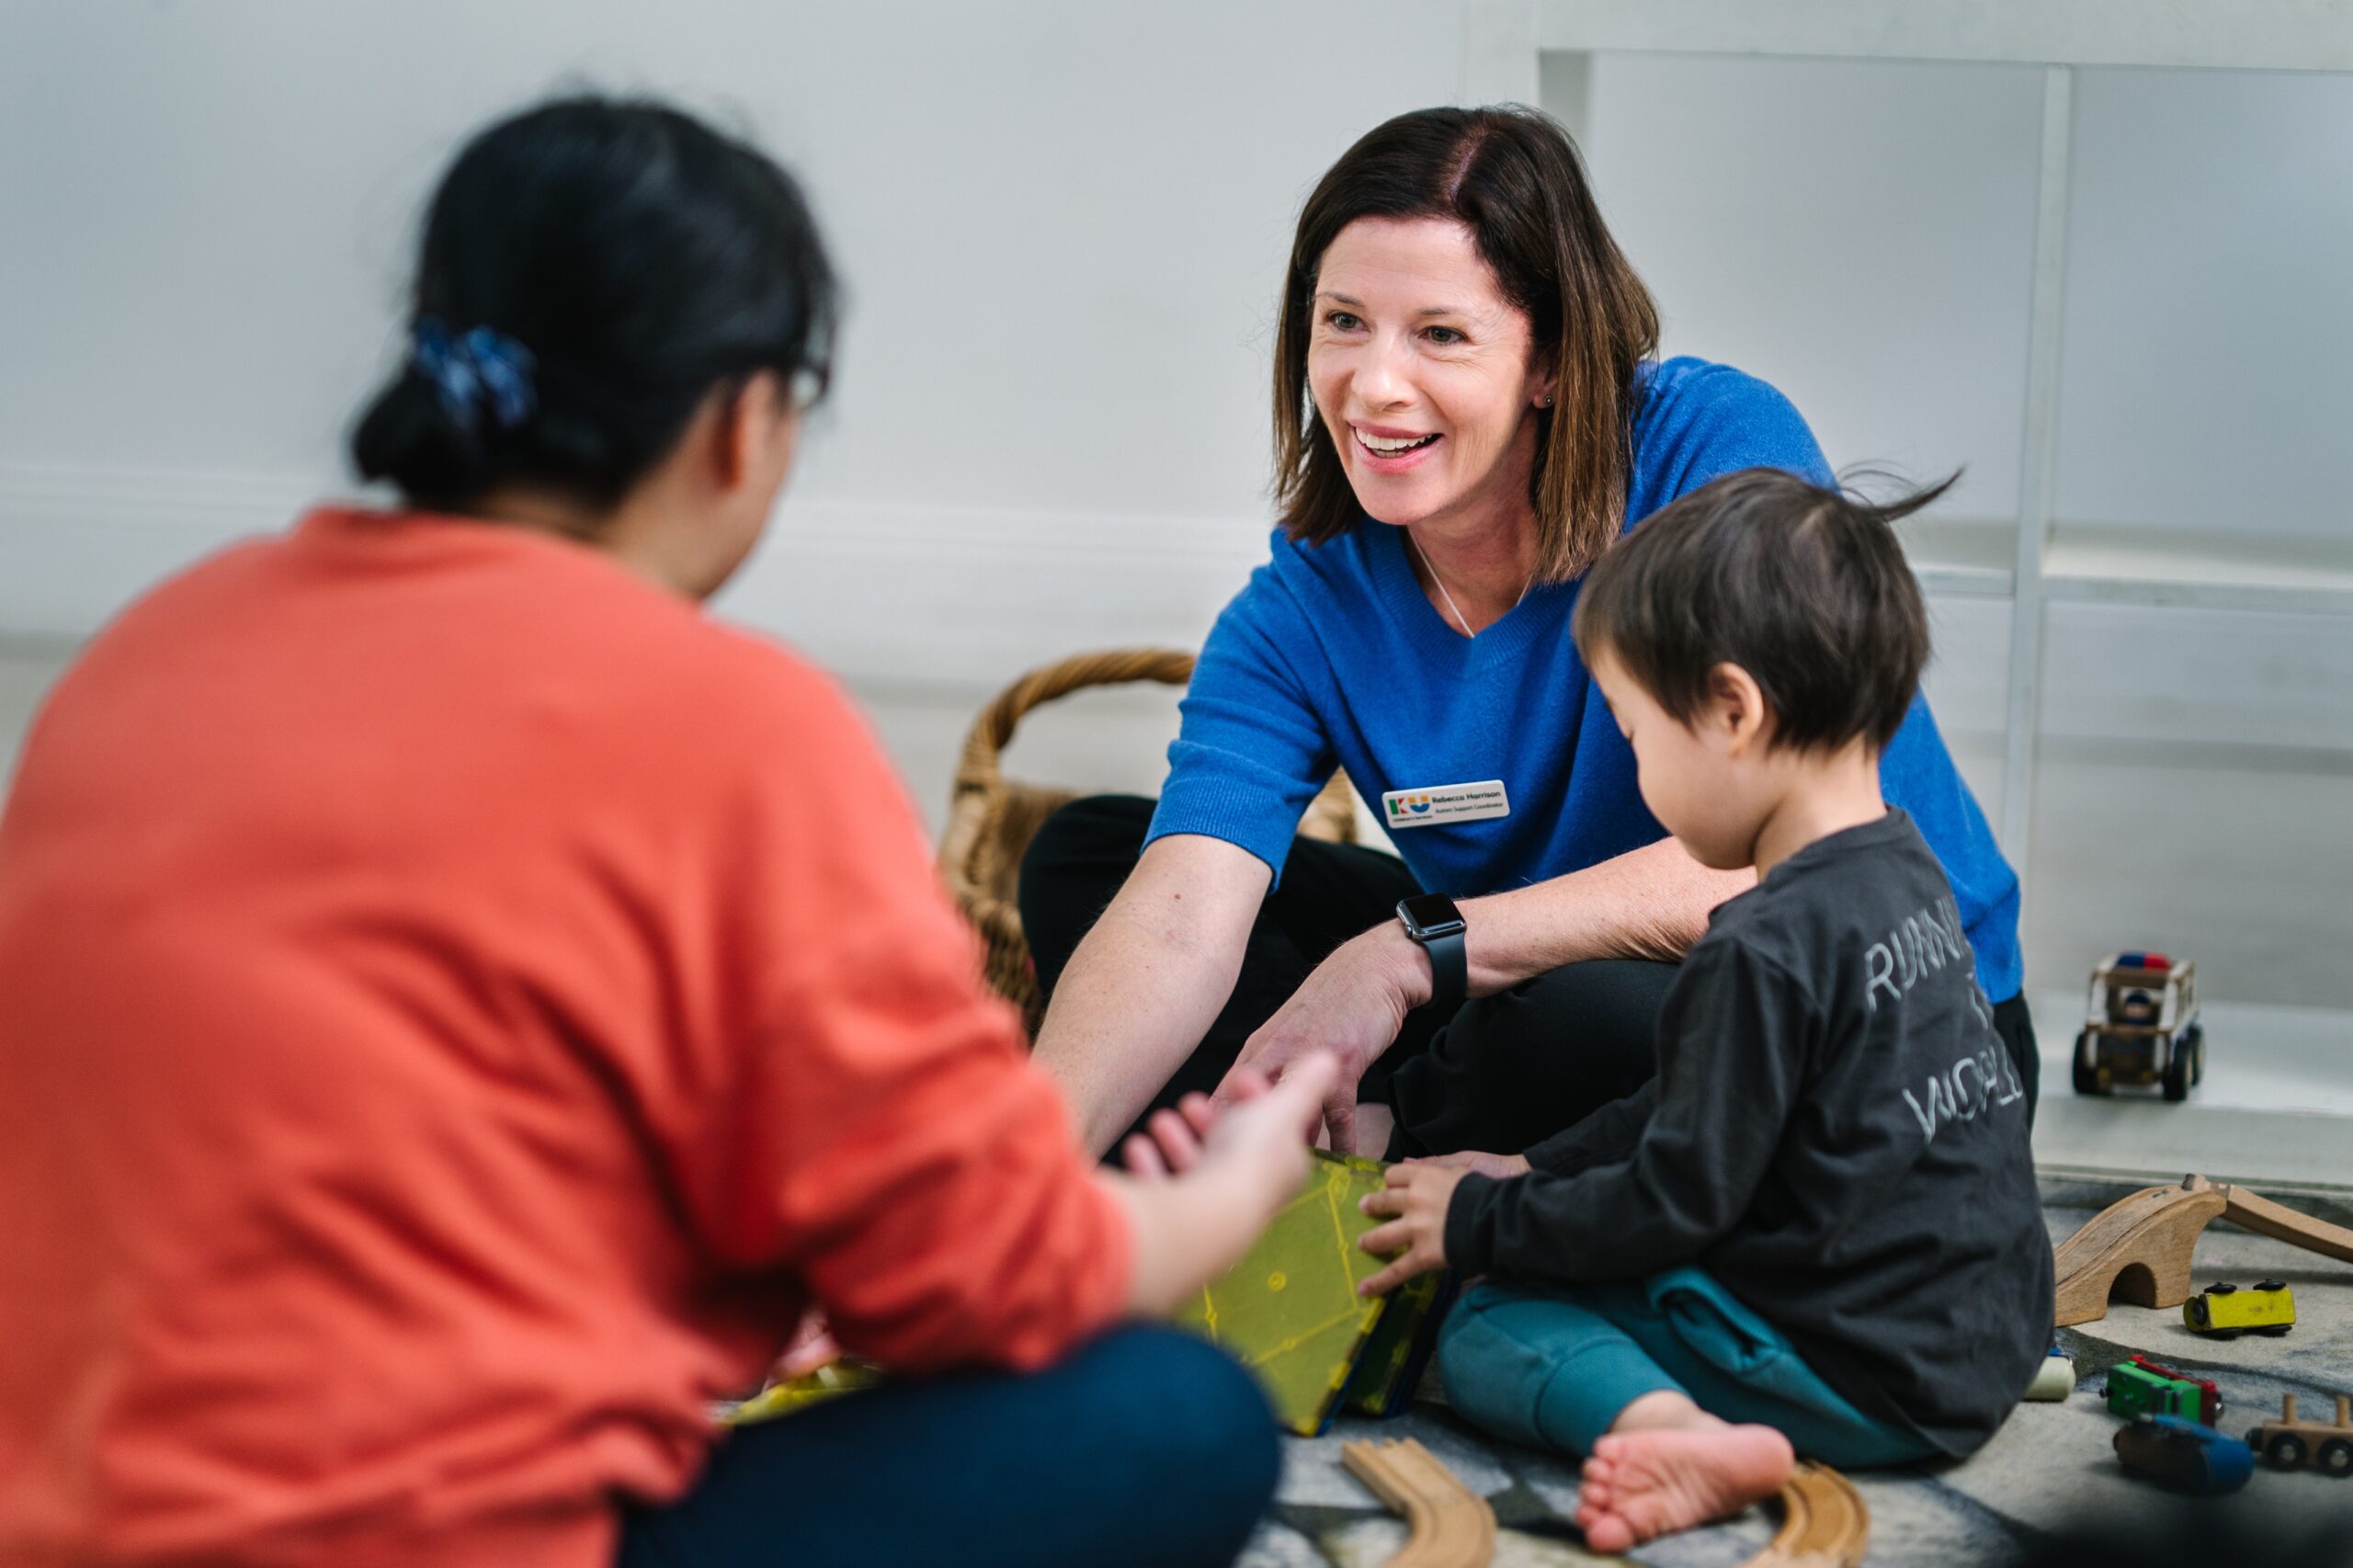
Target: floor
2277, 1110
2051, 1468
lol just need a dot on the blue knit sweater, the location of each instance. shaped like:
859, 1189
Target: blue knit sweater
1333, 656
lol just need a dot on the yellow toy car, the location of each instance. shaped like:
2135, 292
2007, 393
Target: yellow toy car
2226, 1312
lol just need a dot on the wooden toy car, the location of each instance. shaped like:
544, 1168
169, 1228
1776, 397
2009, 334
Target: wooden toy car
2226, 1312
2185, 1455
2141, 1027
2288, 1443
2141, 1387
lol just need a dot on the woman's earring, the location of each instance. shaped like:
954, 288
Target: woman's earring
1544, 401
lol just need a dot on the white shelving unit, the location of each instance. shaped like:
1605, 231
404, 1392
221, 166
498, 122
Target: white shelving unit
1513, 48
2290, 1070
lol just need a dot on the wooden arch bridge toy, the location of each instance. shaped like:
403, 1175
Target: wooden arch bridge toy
2138, 1248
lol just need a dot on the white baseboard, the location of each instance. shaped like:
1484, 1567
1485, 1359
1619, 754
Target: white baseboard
78, 544
968, 596
963, 596
971, 596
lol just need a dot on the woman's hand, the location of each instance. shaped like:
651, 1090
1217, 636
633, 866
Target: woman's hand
1208, 1181
1179, 1137
1267, 1130
812, 1348
1174, 1144
1352, 1006
1418, 1195
1198, 1129
1501, 1167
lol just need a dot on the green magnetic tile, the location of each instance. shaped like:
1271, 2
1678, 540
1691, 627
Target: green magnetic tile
1290, 1308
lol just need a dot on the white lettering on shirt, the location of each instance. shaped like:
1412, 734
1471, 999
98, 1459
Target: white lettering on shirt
1993, 1084
1920, 943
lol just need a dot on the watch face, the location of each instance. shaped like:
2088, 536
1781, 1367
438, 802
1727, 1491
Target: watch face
1430, 915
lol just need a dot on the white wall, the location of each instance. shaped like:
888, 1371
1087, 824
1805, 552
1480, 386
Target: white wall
2209, 342
1063, 226
1862, 234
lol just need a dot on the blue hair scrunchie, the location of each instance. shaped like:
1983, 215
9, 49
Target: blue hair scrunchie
481, 371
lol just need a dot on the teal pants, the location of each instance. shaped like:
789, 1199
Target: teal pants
1553, 1367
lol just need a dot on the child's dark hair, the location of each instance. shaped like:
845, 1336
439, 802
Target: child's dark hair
591, 269
1804, 588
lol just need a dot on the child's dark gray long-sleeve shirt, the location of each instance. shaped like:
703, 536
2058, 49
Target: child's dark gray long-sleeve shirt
1835, 1134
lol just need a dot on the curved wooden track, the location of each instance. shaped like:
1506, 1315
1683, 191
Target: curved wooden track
1823, 1523
1452, 1526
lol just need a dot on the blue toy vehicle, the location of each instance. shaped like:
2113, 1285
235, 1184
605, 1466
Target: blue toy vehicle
2178, 1453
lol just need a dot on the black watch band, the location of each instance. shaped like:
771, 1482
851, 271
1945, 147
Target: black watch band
1431, 920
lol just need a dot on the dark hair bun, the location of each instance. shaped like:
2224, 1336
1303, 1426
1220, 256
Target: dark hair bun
629, 259
409, 439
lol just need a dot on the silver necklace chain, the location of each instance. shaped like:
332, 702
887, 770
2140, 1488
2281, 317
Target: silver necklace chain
1460, 618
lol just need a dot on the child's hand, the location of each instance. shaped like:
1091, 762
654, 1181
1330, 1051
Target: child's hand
1501, 1167
1418, 1195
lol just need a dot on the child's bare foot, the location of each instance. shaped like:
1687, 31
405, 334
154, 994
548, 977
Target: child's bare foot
1645, 1483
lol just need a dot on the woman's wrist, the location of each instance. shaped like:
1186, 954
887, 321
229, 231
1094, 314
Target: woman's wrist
1402, 963
1189, 1229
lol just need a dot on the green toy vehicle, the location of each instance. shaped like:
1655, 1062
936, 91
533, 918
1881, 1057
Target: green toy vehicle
2141, 1387
2142, 1027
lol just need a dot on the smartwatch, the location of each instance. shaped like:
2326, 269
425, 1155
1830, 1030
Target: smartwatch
1431, 920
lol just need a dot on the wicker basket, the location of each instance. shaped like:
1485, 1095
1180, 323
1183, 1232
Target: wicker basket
991, 818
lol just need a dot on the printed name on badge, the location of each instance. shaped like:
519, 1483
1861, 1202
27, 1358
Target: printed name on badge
1444, 803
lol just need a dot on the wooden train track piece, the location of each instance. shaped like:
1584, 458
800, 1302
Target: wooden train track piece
1452, 1525
2253, 1212
2139, 1247
1823, 1523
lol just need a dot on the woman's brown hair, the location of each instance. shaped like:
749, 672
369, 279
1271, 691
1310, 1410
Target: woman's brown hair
1511, 176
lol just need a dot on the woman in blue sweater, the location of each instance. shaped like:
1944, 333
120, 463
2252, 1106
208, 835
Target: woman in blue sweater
1468, 411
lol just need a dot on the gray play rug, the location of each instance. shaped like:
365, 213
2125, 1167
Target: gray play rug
2050, 1467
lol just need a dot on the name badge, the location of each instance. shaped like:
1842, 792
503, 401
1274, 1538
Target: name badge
1444, 803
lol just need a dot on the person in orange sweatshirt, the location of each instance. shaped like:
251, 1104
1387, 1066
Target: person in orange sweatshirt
460, 1007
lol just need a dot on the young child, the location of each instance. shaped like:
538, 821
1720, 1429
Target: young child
1817, 1227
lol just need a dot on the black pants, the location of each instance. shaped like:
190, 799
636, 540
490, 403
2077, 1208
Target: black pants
1502, 1073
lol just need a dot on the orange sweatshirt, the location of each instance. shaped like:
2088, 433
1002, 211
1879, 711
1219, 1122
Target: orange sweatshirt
458, 1004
